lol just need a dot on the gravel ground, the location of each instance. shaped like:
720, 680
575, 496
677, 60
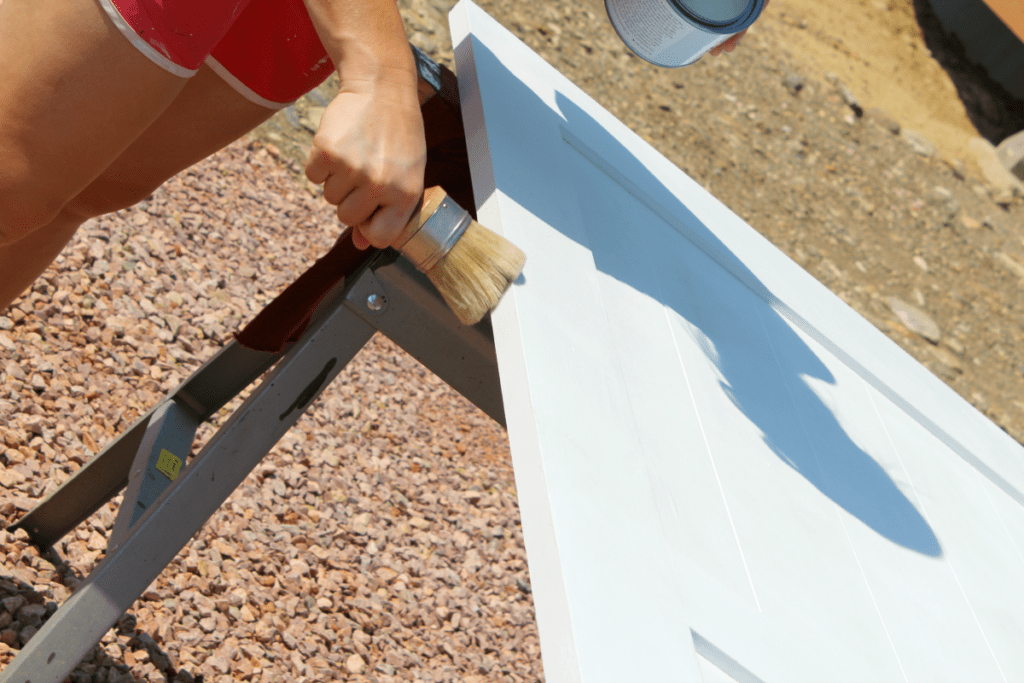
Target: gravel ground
386, 546
379, 540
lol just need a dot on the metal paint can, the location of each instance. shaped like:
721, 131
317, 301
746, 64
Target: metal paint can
675, 33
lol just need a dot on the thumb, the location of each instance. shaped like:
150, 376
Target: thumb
358, 239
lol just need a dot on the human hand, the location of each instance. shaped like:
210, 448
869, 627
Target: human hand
727, 46
730, 45
370, 153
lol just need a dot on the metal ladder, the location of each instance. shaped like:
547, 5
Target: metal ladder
167, 499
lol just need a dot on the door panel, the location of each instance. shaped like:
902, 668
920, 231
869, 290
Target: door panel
706, 441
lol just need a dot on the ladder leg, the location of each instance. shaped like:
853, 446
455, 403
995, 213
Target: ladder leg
219, 380
163, 450
173, 518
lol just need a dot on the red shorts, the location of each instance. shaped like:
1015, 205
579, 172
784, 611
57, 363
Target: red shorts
267, 50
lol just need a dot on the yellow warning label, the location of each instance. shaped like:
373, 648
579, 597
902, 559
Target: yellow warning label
168, 464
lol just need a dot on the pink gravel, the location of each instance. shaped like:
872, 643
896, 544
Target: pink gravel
380, 539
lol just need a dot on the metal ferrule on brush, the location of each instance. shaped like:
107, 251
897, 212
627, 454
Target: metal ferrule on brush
437, 235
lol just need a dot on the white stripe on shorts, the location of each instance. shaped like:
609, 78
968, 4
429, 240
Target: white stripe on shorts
155, 56
242, 89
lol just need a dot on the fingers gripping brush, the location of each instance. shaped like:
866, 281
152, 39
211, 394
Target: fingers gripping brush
471, 266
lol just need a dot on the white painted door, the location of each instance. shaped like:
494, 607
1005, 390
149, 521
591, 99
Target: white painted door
724, 472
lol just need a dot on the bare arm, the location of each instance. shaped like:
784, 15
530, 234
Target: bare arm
369, 152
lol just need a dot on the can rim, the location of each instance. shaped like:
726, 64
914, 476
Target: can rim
744, 20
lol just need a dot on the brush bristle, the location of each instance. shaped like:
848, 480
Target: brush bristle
474, 275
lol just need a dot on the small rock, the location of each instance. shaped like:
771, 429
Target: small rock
950, 210
237, 597
851, 101
969, 223
992, 167
955, 346
360, 523
794, 82
118, 324
1003, 196
386, 574
419, 523
219, 663
918, 142
127, 624
148, 351
958, 167
14, 603
116, 676
225, 548
883, 120
6, 323
15, 372
9, 637
1011, 153
33, 424
355, 664
915, 320
1011, 263
979, 401
947, 205
32, 615
299, 567
160, 660
27, 633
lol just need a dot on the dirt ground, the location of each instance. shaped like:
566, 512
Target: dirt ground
876, 47
881, 50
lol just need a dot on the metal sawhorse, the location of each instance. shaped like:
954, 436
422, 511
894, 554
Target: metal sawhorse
167, 501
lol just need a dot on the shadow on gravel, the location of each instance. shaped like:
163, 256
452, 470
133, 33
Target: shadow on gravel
763, 363
24, 610
995, 112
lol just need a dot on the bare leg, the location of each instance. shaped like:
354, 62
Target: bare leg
74, 93
207, 115
22, 262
